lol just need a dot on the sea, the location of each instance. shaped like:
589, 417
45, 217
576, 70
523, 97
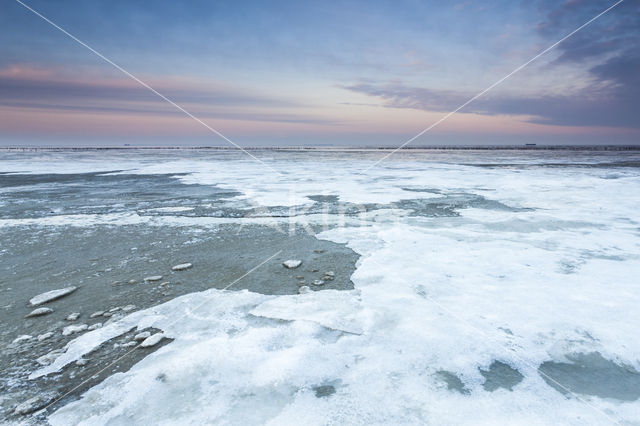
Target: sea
435, 286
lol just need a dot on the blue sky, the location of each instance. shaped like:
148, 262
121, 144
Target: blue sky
315, 73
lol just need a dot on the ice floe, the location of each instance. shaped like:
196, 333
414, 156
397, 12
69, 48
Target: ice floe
51, 295
181, 267
72, 329
152, 340
292, 263
38, 312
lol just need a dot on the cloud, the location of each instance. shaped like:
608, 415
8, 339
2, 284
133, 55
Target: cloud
612, 33
612, 106
32, 88
610, 47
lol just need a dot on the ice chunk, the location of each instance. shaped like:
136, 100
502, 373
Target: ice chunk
82, 362
153, 278
142, 336
152, 340
72, 329
39, 312
51, 295
291, 263
44, 336
73, 316
49, 357
182, 267
31, 405
22, 338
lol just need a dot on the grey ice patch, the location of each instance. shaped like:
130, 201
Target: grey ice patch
324, 391
421, 189
449, 205
592, 374
421, 291
500, 375
452, 381
324, 198
327, 389
567, 266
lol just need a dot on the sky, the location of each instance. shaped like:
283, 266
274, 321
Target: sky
310, 73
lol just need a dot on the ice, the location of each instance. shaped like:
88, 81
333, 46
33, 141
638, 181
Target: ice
169, 317
153, 278
181, 267
22, 338
39, 312
142, 336
291, 263
72, 329
51, 295
501, 292
345, 313
152, 340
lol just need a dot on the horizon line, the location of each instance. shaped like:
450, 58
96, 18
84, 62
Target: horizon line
527, 146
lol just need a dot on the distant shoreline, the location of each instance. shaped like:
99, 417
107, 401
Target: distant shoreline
354, 149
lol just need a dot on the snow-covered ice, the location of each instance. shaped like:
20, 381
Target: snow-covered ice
522, 265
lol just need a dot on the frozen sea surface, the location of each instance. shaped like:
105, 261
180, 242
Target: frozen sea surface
494, 287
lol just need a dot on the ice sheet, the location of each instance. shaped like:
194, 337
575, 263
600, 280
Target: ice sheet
432, 294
